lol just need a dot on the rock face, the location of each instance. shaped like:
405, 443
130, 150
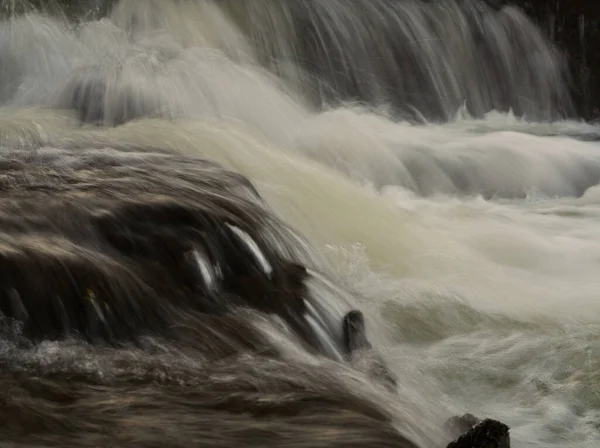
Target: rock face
574, 26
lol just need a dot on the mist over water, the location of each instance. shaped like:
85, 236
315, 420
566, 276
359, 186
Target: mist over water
419, 148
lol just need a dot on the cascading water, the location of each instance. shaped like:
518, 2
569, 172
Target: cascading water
419, 149
426, 59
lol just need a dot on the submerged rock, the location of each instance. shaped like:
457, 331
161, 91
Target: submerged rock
360, 351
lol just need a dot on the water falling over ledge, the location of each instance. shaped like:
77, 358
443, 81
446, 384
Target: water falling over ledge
196, 201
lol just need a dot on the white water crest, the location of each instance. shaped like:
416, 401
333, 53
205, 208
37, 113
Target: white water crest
473, 243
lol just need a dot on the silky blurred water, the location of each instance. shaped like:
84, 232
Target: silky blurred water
470, 234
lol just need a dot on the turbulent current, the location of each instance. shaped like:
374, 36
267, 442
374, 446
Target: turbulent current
194, 193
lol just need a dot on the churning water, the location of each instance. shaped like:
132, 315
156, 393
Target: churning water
417, 147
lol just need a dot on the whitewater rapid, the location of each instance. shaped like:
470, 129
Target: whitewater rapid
473, 244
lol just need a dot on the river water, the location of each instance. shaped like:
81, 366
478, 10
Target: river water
418, 148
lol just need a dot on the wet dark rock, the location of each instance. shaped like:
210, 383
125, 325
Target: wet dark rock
360, 351
355, 336
122, 246
471, 432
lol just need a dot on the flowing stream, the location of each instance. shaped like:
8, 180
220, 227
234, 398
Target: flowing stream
418, 148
